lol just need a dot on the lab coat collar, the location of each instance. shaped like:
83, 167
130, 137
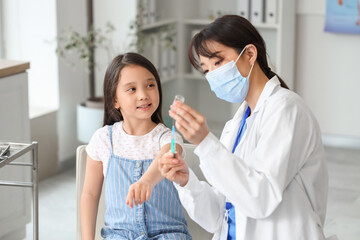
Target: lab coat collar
267, 91
229, 135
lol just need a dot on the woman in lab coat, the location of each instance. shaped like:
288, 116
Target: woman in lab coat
267, 174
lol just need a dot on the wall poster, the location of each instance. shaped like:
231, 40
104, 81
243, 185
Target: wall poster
343, 16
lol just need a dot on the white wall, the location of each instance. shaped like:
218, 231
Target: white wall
119, 13
72, 80
30, 29
327, 72
44, 132
29, 34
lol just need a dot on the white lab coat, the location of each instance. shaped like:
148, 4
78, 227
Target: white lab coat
277, 179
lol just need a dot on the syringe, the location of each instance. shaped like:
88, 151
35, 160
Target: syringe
173, 134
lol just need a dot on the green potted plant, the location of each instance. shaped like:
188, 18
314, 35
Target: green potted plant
89, 113
70, 41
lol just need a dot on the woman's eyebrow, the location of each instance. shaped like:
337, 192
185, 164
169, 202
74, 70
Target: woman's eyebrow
214, 54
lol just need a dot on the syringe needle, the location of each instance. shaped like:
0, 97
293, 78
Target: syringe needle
173, 140
173, 134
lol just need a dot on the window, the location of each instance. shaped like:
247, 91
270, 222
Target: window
29, 32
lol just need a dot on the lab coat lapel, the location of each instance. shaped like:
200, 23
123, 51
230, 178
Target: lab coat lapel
231, 128
268, 90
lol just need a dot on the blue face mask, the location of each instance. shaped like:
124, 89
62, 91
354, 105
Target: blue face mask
228, 83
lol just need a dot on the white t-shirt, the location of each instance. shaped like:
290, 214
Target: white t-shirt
128, 146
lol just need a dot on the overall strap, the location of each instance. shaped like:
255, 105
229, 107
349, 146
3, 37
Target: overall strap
110, 134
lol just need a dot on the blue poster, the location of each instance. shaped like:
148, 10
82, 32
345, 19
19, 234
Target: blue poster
343, 16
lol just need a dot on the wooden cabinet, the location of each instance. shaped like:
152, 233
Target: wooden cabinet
14, 127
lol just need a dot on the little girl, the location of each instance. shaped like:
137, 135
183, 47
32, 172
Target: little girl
124, 154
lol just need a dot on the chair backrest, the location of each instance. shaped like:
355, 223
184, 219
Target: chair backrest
192, 160
80, 177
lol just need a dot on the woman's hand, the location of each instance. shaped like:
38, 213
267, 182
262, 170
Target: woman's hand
174, 169
139, 192
189, 122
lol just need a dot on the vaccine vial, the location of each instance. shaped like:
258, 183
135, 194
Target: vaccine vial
179, 98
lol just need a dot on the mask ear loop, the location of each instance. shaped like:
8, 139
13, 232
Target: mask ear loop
239, 56
250, 68
250, 71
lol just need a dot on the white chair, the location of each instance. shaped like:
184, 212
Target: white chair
196, 231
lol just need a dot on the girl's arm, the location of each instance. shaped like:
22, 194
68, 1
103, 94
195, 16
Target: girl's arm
140, 191
194, 193
90, 198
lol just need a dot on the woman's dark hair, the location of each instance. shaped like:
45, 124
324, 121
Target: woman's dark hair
232, 31
111, 80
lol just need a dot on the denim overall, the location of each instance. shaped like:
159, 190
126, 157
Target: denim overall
159, 218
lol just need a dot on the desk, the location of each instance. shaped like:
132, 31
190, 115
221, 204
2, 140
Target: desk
17, 150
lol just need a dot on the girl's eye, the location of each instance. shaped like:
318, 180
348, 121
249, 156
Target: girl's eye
151, 85
205, 72
131, 90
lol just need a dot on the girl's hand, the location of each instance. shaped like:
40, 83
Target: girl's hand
174, 169
189, 122
139, 192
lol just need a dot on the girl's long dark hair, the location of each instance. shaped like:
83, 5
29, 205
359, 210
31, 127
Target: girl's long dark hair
111, 80
232, 31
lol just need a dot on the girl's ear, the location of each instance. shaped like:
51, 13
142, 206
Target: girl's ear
116, 104
251, 53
